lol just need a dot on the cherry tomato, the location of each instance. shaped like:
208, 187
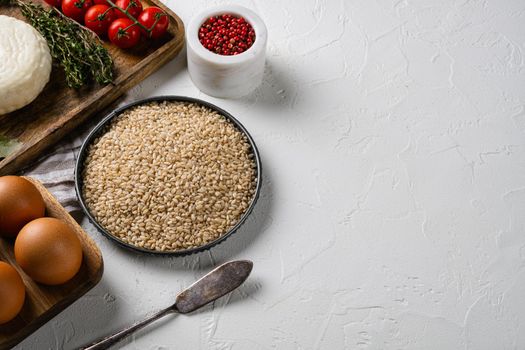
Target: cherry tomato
76, 9
155, 19
98, 18
101, 2
124, 33
54, 3
134, 8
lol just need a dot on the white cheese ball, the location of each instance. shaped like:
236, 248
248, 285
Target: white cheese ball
25, 64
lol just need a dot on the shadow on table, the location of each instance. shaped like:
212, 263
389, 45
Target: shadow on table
256, 223
166, 73
144, 331
79, 324
248, 289
276, 91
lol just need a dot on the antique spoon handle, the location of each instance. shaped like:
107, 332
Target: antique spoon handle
212, 286
107, 342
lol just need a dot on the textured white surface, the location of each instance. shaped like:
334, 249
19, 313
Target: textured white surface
392, 213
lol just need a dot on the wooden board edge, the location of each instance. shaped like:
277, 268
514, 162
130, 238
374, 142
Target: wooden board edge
104, 97
45, 317
95, 275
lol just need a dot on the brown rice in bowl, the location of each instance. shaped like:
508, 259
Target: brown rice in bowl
169, 176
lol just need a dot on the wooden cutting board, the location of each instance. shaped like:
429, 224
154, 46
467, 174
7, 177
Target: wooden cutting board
59, 109
44, 302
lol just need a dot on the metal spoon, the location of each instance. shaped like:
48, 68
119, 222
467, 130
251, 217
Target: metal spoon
212, 286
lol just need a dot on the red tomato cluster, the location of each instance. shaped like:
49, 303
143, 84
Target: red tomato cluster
123, 22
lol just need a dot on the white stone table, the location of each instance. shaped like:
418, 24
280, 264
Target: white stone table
392, 216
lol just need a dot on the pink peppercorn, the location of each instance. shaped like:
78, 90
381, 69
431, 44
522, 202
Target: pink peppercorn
226, 35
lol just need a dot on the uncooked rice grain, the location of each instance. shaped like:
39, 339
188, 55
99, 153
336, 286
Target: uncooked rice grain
169, 176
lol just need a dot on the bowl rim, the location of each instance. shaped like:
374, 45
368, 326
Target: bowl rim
98, 129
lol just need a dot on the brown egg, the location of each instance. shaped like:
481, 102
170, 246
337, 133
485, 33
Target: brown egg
12, 292
20, 202
49, 251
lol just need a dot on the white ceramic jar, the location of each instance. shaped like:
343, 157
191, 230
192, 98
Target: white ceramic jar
226, 76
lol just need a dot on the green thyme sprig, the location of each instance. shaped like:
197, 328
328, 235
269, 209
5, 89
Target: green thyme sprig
76, 48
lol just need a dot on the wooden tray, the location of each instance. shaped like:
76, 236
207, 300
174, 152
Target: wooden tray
44, 302
59, 109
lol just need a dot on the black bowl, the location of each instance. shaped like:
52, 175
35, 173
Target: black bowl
98, 130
